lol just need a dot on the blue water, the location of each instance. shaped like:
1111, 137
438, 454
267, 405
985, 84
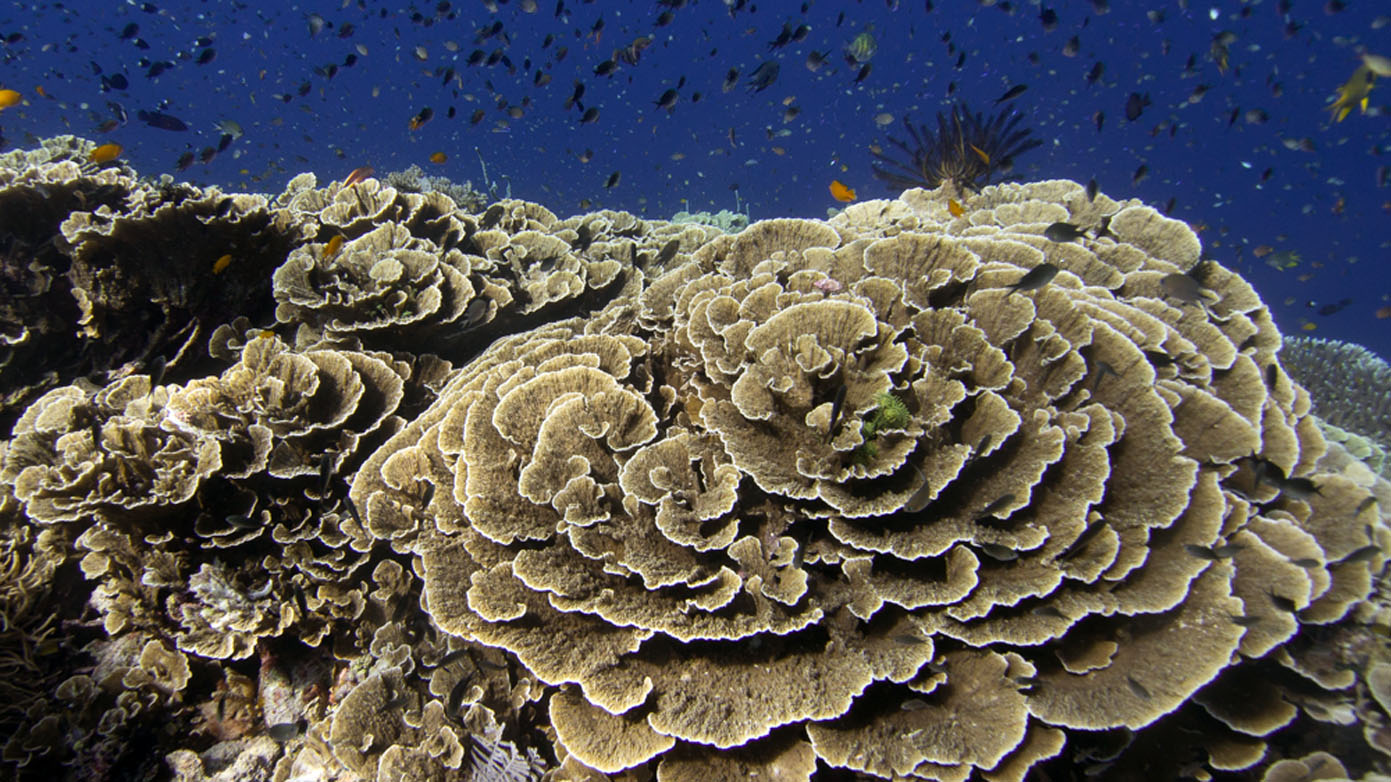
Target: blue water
1322, 199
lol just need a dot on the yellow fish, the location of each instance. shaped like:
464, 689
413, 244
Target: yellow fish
842, 193
9, 98
105, 153
334, 245
220, 265
954, 206
1353, 93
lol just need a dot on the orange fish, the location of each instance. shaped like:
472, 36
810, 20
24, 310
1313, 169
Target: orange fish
438, 157
220, 265
984, 157
334, 245
1262, 250
841, 193
105, 153
954, 206
1384, 313
265, 334
358, 175
9, 98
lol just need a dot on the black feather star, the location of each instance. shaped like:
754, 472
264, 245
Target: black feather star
967, 150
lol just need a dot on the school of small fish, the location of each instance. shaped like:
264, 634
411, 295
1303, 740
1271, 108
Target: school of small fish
773, 96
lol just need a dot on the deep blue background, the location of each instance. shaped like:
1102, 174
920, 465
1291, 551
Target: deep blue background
1322, 201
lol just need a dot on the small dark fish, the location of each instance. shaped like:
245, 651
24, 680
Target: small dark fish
1092, 189
1140, 174
316, 24
908, 640
1063, 232
1011, 93
455, 698
591, 114
913, 704
1283, 603
1299, 488
1243, 620
325, 474
815, 60
783, 39
242, 522
1094, 75
1102, 370
863, 73
1182, 287
992, 508
667, 252
1049, 19
921, 495
1306, 562
667, 100
1036, 277
352, 509
475, 312
185, 160
129, 31
1049, 612
999, 553
1201, 552
158, 119
1272, 375
155, 369
1080, 544
1137, 688
1333, 309
837, 404
206, 56
1366, 503
575, 96
763, 76
283, 731
1135, 105
731, 79
1364, 554
612, 181
605, 68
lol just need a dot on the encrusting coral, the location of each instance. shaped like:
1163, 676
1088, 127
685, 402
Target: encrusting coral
854, 495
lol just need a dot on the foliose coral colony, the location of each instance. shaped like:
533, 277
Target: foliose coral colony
500, 495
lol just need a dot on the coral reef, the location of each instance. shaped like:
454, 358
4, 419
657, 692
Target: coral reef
524, 497
1351, 386
966, 151
414, 180
725, 220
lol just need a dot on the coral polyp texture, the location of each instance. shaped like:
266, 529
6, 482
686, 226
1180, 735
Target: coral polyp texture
818, 498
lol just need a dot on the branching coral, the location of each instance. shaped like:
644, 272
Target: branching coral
967, 150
